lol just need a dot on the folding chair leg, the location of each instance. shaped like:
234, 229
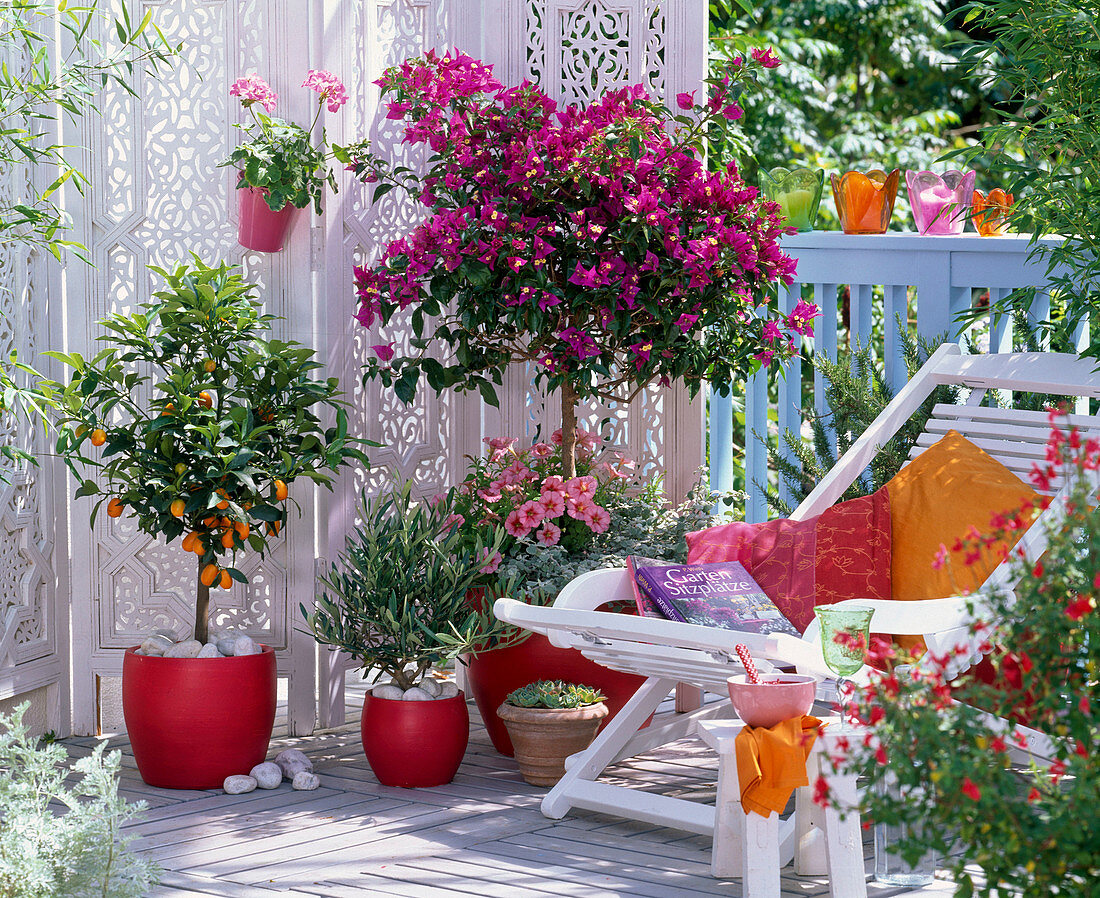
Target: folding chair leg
587, 765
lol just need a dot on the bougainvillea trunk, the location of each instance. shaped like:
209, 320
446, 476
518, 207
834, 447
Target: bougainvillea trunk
202, 609
568, 431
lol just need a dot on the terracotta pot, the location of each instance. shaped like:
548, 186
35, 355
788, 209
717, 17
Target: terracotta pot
258, 228
544, 738
414, 744
492, 675
194, 721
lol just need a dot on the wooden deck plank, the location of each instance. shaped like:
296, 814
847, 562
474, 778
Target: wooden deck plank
482, 835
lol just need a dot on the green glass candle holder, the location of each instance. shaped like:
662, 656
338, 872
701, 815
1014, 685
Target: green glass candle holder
798, 193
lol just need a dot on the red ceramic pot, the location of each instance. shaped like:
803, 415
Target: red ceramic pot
258, 228
414, 744
492, 675
194, 721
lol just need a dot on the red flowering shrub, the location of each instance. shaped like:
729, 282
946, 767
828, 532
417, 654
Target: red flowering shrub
1033, 831
591, 241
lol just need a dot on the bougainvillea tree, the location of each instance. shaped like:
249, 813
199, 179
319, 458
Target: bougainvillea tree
591, 242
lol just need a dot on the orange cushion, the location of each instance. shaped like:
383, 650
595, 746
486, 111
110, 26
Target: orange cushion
934, 501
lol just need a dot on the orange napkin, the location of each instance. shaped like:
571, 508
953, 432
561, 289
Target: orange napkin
771, 763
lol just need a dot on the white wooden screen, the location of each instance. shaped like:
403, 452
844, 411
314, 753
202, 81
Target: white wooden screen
157, 195
33, 634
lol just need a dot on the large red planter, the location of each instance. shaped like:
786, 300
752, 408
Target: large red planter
258, 228
194, 721
492, 675
415, 744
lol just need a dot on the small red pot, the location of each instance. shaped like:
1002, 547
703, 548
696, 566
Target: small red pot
258, 228
194, 721
415, 744
492, 675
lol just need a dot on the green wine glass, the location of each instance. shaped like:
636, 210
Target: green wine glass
844, 655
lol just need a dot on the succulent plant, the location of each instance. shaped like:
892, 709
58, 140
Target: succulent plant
554, 694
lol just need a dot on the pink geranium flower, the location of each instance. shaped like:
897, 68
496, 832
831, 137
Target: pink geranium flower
548, 535
328, 86
253, 89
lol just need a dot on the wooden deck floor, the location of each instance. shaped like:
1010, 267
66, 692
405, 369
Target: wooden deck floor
481, 835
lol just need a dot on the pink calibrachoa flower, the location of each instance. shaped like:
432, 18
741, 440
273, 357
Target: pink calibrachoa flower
598, 519
553, 504
492, 565
330, 87
253, 89
580, 508
549, 534
531, 514
581, 487
553, 484
514, 525
542, 450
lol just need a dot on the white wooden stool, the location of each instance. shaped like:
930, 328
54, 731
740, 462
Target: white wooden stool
755, 848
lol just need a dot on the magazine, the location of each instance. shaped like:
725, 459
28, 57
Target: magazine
646, 606
713, 595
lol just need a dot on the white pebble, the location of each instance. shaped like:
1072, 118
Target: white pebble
239, 784
227, 640
449, 690
267, 775
394, 693
246, 646
188, 649
432, 687
210, 650
156, 645
305, 781
416, 694
292, 762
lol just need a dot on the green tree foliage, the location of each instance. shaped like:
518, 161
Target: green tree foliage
862, 82
1047, 58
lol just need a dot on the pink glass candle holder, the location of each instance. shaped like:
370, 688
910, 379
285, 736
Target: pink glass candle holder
940, 203
865, 202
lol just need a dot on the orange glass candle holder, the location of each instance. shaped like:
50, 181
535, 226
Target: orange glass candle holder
990, 212
865, 202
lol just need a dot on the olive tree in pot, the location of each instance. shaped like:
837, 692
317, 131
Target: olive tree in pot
395, 600
547, 722
197, 422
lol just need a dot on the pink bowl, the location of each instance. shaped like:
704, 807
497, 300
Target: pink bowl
775, 698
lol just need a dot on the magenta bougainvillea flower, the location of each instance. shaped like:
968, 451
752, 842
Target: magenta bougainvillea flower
591, 241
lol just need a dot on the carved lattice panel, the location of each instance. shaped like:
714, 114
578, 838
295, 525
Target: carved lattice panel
576, 50
158, 195
417, 439
30, 656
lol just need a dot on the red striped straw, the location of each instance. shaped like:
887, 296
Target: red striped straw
746, 659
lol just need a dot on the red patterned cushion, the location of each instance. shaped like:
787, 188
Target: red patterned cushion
844, 553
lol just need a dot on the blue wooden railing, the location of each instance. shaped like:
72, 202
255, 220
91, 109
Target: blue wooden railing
938, 274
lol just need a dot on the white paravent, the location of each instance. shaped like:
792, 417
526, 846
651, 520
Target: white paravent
157, 195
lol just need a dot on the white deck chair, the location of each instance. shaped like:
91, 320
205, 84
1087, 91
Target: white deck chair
668, 653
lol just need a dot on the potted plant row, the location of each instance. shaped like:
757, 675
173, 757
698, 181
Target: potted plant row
395, 600
194, 421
